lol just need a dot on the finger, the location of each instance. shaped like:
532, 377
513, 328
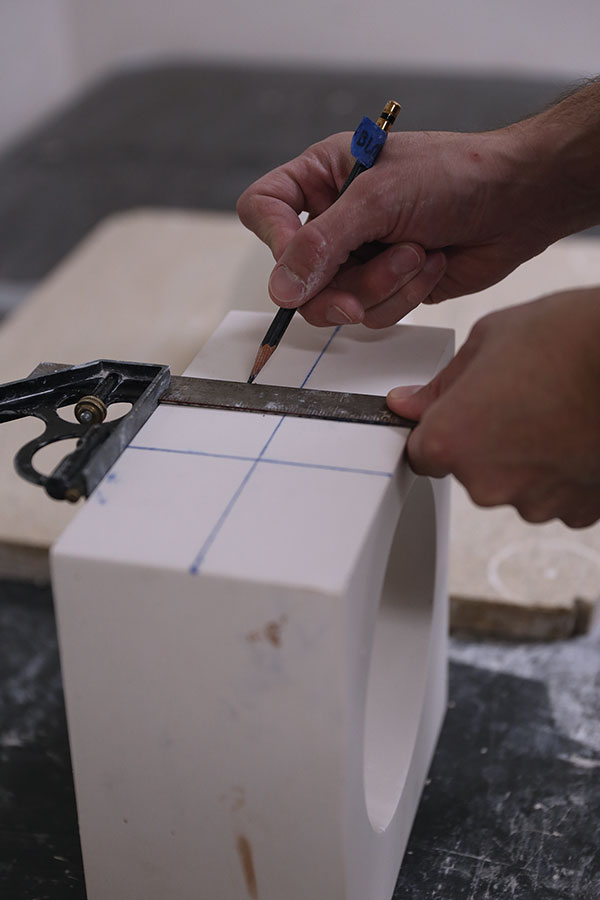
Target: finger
582, 513
379, 278
470, 270
576, 507
276, 223
409, 295
493, 485
362, 286
434, 446
426, 455
315, 253
333, 306
380, 292
535, 510
270, 206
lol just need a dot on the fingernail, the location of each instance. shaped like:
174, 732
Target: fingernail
403, 392
337, 316
434, 263
285, 285
404, 259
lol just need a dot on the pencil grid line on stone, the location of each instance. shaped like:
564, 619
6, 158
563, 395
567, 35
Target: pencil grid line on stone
212, 536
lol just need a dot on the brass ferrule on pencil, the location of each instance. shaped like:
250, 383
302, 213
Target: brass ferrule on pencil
388, 115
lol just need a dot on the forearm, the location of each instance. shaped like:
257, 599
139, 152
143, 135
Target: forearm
559, 154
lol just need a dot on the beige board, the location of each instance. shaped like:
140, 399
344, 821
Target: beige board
148, 286
152, 285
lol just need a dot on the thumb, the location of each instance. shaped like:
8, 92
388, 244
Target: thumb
413, 406
412, 402
315, 253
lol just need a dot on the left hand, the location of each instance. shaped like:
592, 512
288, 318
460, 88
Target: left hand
515, 416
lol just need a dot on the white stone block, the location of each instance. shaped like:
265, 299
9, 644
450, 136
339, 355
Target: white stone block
252, 617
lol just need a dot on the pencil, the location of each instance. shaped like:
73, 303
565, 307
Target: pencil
366, 155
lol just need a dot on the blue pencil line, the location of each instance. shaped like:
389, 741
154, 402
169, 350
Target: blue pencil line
194, 453
319, 357
266, 459
201, 555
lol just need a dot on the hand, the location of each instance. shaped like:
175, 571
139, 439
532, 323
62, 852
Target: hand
516, 415
459, 211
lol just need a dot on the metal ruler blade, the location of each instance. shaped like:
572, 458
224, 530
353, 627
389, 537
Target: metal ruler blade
272, 399
281, 401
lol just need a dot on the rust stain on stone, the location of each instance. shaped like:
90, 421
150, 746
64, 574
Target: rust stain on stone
244, 850
271, 632
239, 798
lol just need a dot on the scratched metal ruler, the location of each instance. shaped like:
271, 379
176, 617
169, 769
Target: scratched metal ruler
304, 402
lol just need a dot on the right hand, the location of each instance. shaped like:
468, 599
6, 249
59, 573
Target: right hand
459, 211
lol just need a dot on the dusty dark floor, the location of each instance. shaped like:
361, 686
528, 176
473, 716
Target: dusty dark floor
512, 808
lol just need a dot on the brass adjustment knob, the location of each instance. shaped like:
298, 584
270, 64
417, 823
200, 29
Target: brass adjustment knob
90, 410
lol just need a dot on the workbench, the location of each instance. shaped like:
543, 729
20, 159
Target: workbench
512, 806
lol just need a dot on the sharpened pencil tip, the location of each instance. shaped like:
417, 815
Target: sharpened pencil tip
264, 352
251, 379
